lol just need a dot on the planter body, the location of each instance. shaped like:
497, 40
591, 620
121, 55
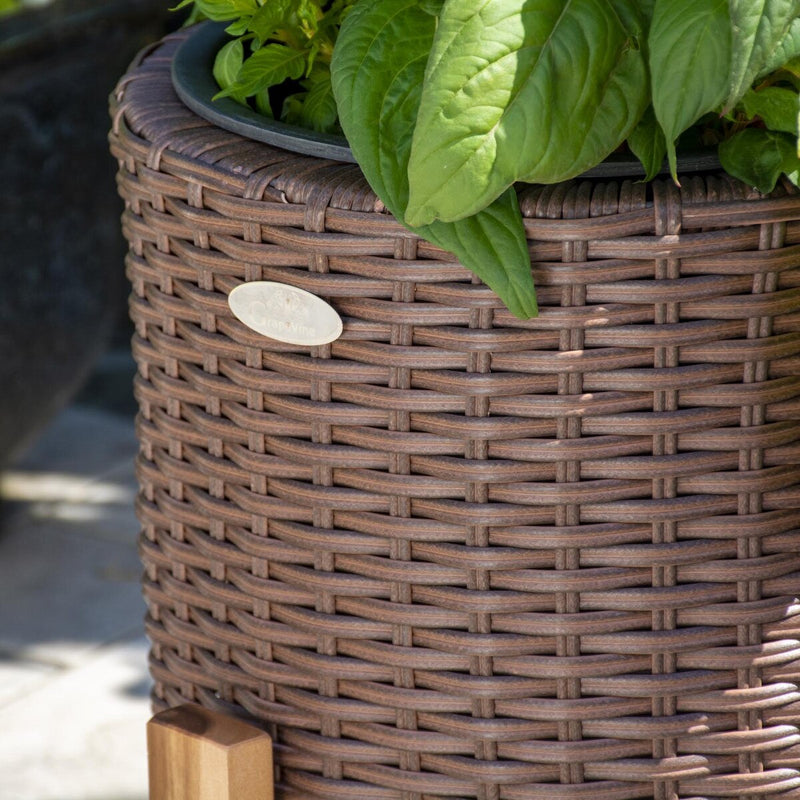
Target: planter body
453, 554
63, 289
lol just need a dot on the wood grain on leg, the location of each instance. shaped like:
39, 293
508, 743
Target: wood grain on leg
197, 754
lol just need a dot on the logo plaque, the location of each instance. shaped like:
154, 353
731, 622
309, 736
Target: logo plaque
285, 313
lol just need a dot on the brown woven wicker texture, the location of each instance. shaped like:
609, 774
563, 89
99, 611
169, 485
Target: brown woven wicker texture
453, 554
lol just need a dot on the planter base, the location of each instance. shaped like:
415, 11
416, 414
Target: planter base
453, 554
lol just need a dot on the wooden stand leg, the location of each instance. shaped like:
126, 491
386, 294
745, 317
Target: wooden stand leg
197, 754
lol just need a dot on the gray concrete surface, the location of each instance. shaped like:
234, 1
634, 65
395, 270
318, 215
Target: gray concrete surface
74, 687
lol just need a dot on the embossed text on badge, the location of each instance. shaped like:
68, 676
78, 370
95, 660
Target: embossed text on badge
285, 313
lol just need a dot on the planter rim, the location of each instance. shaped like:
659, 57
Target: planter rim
194, 84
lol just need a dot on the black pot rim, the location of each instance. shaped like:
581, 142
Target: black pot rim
194, 84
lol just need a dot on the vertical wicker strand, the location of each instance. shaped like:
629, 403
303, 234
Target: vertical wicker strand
174, 410
324, 561
667, 212
215, 445
771, 236
478, 536
136, 271
402, 335
255, 188
576, 204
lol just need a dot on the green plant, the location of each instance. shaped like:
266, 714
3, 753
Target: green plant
279, 56
448, 103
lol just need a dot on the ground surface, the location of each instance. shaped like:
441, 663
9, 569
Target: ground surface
73, 676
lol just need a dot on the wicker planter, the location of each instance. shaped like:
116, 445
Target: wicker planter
453, 554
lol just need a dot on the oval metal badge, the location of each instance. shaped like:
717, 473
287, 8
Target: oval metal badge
285, 313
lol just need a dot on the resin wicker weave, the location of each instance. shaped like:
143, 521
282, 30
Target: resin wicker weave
454, 554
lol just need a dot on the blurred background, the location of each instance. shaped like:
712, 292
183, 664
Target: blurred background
74, 688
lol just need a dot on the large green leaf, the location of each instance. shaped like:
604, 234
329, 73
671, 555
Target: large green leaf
376, 83
759, 28
377, 72
777, 106
647, 144
492, 244
690, 62
759, 157
787, 50
539, 90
